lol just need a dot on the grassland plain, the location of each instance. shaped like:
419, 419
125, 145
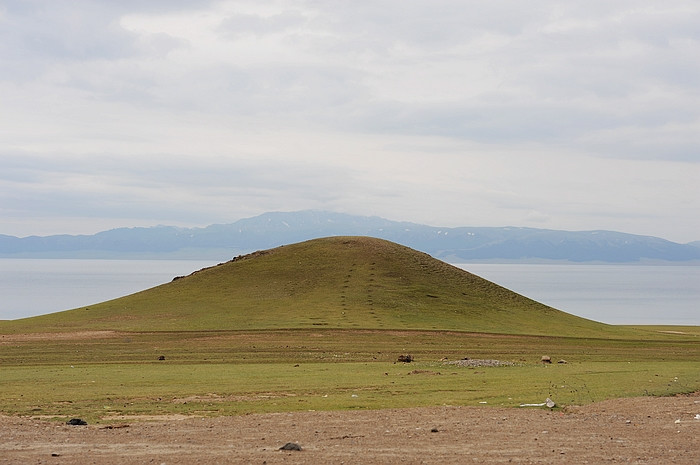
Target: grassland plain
319, 326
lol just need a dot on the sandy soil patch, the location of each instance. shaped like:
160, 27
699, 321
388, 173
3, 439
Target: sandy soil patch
639, 431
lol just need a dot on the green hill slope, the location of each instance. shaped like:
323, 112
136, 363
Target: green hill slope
339, 282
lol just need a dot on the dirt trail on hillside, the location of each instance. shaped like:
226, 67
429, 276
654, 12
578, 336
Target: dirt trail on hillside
639, 431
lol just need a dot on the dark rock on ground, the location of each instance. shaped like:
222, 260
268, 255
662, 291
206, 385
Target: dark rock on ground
291, 446
76, 422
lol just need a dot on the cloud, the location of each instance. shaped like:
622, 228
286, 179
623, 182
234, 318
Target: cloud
242, 25
451, 112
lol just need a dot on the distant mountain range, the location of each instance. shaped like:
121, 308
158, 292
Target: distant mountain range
461, 244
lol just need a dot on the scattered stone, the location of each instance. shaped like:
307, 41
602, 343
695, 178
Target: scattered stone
434, 430
291, 446
405, 358
55, 455
76, 422
546, 359
563, 362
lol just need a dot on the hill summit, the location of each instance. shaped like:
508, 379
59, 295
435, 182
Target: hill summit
336, 282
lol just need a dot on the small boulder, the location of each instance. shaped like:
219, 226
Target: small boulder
546, 359
291, 446
162, 357
405, 358
563, 362
76, 422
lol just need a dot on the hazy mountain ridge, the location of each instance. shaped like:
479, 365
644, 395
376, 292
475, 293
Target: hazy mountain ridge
277, 228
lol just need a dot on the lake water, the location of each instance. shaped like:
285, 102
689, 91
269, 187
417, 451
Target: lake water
616, 294
31, 287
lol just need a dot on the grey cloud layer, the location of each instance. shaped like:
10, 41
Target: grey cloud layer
197, 99
490, 71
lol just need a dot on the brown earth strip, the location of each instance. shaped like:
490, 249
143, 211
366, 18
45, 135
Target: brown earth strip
645, 430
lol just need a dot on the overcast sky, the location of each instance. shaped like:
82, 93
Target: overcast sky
572, 115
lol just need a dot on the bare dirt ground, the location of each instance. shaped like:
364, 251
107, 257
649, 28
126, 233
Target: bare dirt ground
640, 431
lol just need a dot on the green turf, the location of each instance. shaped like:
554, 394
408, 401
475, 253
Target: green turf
231, 372
668, 329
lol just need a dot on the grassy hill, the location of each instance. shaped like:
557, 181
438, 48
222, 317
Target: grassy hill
338, 282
